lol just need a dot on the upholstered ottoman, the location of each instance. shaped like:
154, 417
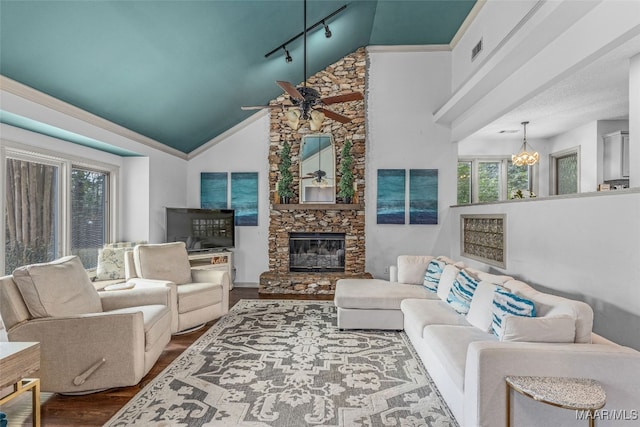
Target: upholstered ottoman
374, 303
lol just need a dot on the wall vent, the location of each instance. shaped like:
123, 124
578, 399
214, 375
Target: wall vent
476, 50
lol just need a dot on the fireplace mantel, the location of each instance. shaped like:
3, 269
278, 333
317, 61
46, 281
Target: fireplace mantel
318, 207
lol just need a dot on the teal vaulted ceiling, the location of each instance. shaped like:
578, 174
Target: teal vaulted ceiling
178, 71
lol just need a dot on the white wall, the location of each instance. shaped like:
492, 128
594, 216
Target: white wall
586, 138
634, 121
244, 151
492, 24
560, 38
403, 90
585, 247
166, 173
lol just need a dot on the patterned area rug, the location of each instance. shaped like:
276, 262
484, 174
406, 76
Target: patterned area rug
285, 363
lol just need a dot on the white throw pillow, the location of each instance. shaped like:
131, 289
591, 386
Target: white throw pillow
57, 288
446, 281
480, 313
111, 263
411, 268
557, 329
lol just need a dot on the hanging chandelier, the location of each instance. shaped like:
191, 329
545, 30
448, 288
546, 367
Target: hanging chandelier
525, 158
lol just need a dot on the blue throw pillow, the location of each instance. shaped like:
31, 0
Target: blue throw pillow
507, 304
432, 275
462, 291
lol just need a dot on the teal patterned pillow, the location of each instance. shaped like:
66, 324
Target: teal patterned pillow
507, 304
462, 291
432, 275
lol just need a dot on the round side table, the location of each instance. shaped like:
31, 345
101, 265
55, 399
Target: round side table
579, 394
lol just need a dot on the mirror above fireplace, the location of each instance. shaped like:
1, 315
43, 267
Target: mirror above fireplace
317, 169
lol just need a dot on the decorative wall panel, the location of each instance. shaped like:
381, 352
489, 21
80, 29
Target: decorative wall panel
484, 238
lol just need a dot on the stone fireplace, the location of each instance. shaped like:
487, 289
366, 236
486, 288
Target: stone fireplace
347, 220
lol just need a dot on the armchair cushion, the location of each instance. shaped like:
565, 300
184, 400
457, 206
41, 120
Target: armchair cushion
58, 288
167, 261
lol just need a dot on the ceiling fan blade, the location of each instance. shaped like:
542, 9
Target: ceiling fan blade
291, 90
260, 107
335, 116
353, 96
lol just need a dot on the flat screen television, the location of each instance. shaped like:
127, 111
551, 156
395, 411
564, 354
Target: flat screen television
201, 229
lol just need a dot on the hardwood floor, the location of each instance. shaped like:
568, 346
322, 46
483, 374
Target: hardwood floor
97, 408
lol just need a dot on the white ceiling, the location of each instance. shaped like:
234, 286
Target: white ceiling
599, 91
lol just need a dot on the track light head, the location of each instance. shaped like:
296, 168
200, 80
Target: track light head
327, 31
288, 57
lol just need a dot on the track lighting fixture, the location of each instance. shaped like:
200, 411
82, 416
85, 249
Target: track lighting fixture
327, 31
288, 57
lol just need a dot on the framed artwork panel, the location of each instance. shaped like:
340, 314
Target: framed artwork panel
390, 207
244, 197
213, 190
423, 196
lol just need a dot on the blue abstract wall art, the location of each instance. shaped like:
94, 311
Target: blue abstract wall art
423, 196
391, 196
213, 190
244, 197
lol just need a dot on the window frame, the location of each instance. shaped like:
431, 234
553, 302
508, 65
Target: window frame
65, 163
502, 179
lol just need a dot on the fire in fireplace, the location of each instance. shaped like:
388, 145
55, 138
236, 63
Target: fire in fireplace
316, 252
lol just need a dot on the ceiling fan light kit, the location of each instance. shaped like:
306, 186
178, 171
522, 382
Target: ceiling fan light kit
305, 101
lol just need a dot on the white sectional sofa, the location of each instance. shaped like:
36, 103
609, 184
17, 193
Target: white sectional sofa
469, 363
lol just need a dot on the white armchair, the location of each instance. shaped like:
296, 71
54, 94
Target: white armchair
197, 296
89, 340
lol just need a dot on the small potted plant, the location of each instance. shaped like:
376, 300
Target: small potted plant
286, 178
345, 187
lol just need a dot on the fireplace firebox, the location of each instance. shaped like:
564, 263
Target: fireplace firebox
316, 252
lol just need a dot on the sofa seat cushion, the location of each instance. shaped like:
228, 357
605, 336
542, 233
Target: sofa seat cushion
376, 294
156, 318
193, 296
419, 313
449, 344
57, 288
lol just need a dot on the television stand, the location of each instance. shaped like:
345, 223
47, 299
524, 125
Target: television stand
211, 260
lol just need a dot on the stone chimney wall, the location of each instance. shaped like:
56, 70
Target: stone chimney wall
346, 75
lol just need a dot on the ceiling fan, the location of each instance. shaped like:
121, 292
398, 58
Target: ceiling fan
307, 100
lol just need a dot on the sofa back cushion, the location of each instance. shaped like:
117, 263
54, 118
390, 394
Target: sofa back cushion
166, 261
411, 268
548, 305
58, 288
462, 290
